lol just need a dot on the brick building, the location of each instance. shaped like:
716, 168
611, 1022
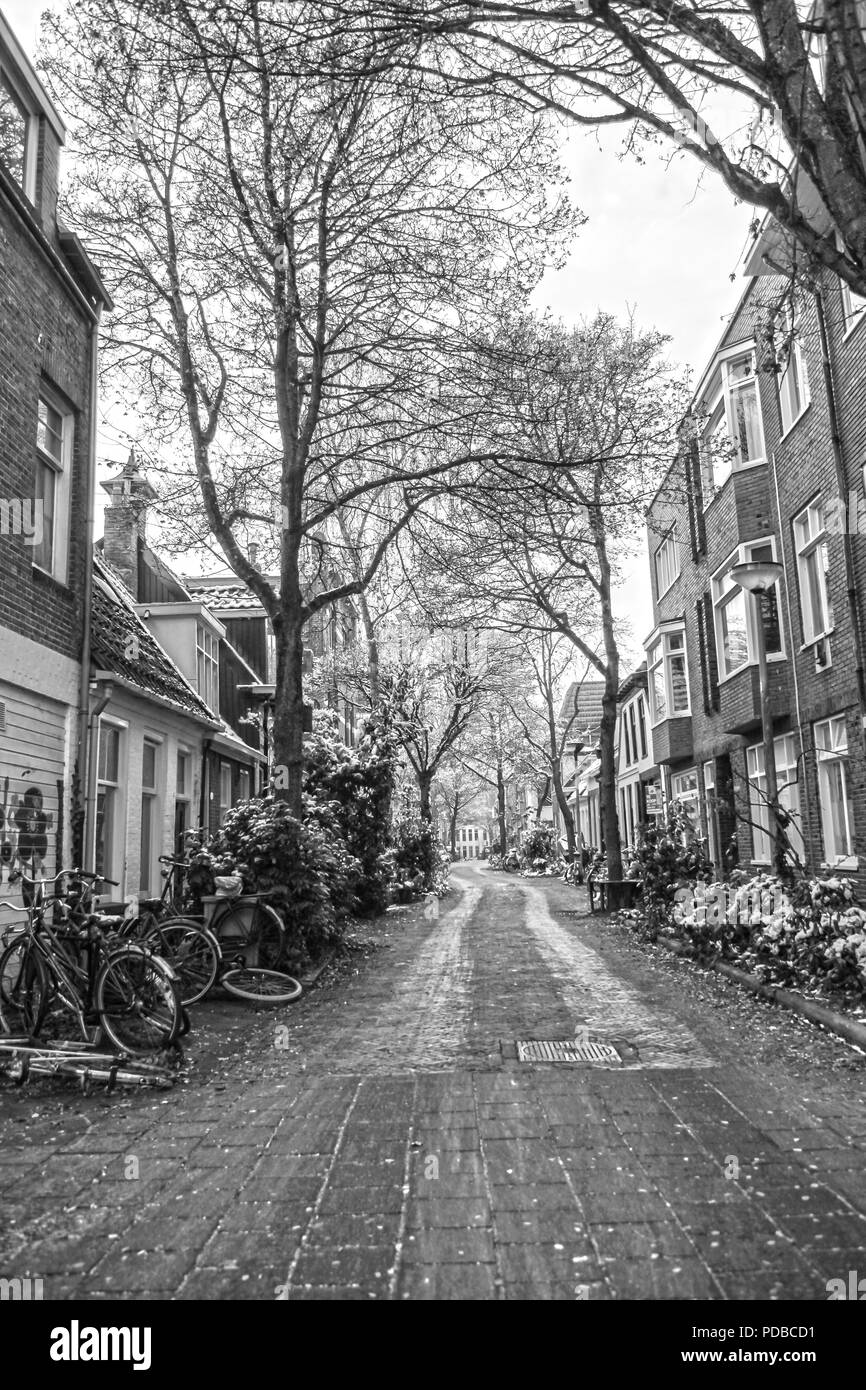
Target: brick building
50, 302
770, 467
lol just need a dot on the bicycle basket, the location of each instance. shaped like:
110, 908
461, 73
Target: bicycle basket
229, 885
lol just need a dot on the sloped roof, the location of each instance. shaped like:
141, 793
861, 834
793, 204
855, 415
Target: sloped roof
124, 646
226, 596
637, 680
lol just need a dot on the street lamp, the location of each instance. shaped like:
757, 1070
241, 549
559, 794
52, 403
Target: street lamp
759, 577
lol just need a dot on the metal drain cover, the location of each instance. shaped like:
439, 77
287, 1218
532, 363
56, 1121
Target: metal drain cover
570, 1051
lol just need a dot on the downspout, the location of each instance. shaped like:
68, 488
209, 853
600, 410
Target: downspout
842, 488
204, 819
84, 750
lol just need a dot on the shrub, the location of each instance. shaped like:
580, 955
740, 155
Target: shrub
538, 845
416, 854
313, 874
667, 857
349, 790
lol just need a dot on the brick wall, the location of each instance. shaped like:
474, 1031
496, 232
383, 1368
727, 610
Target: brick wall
758, 502
44, 336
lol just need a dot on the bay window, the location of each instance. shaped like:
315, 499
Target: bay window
668, 678
731, 434
736, 616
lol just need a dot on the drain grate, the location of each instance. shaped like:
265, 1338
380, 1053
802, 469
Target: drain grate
570, 1051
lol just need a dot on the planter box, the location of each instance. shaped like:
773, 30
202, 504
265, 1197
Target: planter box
612, 894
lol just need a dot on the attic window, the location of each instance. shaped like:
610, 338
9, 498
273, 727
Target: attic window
17, 128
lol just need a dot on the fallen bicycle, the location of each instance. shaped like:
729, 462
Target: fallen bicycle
24, 1058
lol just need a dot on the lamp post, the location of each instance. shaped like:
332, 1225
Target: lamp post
758, 577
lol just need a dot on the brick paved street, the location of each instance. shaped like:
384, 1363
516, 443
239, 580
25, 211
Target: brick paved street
381, 1141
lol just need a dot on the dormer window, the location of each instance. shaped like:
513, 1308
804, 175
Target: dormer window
730, 432
207, 666
17, 132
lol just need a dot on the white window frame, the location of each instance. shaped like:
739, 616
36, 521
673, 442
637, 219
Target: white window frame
810, 538
225, 806
31, 137
722, 392
794, 372
151, 799
785, 753
690, 798
853, 305
724, 590
207, 669
667, 562
663, 643
60, 467
114, 863
835, 857
709, 771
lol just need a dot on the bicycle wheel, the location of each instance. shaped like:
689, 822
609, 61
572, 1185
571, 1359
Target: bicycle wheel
24, 988
261, 986
192, 952
138, 1001
251, 934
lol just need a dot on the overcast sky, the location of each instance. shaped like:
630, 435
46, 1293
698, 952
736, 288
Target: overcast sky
660, 241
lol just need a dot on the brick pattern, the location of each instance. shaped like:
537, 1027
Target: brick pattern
758, 502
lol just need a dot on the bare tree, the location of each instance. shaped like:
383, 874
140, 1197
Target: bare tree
299, 247
768, 94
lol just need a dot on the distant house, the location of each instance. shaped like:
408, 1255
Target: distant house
580, 764
51, 297
211, 754
639, 790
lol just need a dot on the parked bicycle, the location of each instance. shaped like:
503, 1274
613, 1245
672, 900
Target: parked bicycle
73, 967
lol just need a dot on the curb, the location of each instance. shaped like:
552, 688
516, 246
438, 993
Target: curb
797, 1003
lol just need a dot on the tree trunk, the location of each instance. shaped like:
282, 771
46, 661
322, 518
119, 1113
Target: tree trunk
564, 810
453, 827
607, 775
372, 651
288, 731
424, 781
500, 794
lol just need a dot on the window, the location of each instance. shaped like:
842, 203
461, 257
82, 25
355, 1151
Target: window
710, 799
852, 307
793, 379
16, 131
813, 563
831, 747
149, 755
182, 797
107, 799
667, 563
225, 790
642, 722
633, 726
625, 739
736, 617
243, 785
51, 486
785, 753
207, 666
684, 789
731, 435
668, 681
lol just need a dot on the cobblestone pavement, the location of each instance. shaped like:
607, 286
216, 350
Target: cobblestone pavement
380, 1140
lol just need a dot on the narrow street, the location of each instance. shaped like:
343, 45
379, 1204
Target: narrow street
381, 1140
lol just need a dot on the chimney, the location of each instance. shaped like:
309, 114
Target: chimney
253, 552
126, 520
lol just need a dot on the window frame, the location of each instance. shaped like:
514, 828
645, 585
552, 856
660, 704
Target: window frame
722, 390
60, 470
841, 756
150, 799
114, 849
207, 664
796, 362
803, 551
667, 554
661, 641
27, 184
721, 598
789, 794
224, 806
